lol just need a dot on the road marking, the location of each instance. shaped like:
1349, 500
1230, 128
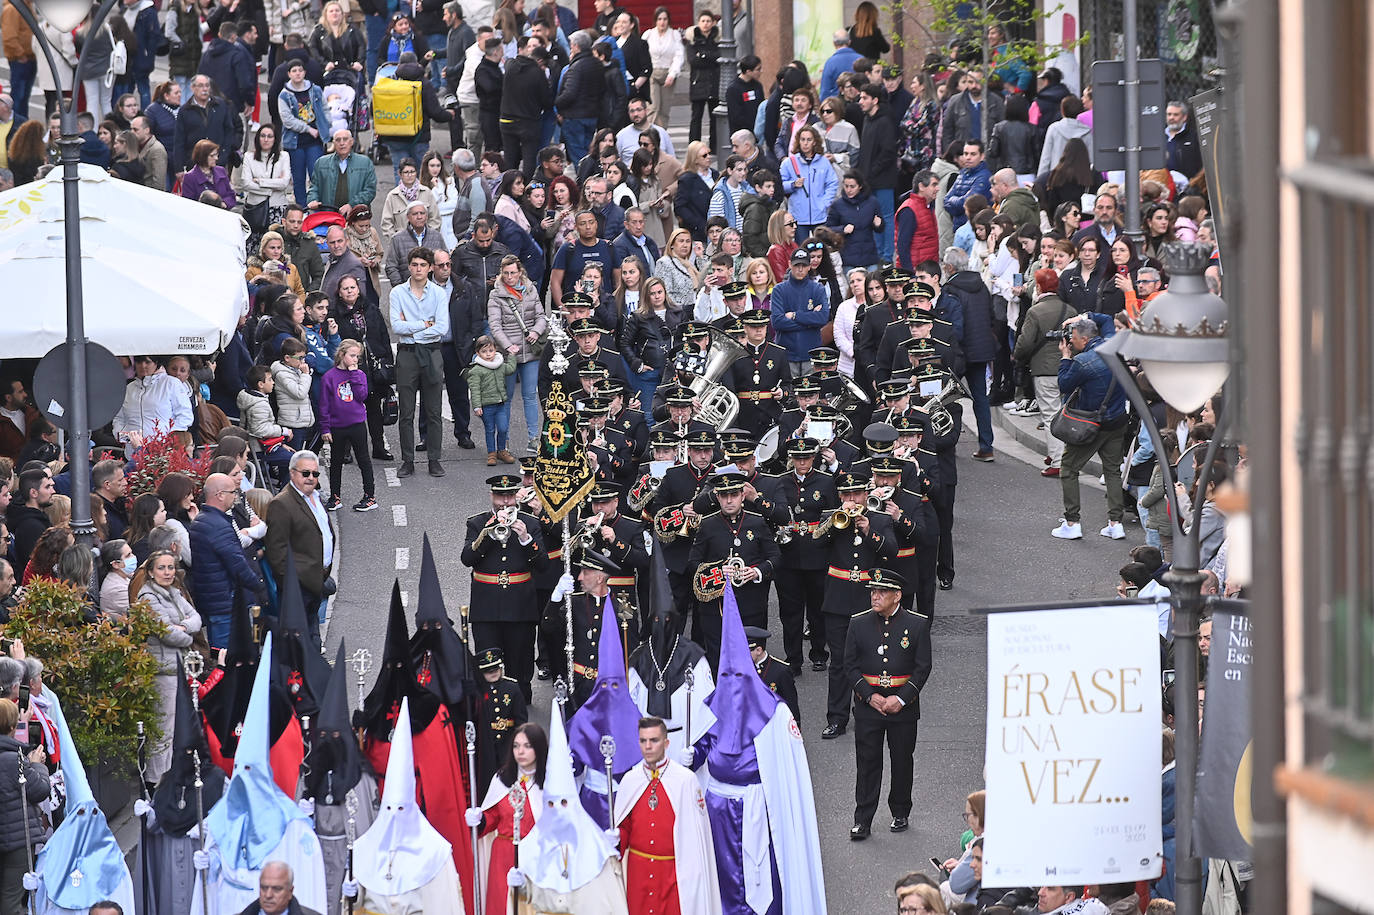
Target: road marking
398, 515
391, 478
402, 558
405, 598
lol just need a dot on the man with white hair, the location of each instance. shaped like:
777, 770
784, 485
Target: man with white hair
842, 61
276, 892
298, 525
343, 179
1011, 199
579, 96
472, 196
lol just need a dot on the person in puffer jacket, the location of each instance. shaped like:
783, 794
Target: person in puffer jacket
13, 805
291, 378
255, 411
808, 180
222, 579
855, 215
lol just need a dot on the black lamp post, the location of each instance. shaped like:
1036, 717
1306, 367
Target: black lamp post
727, 76
67, 15
1180, 342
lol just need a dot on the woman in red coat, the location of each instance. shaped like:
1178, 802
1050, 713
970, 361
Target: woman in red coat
529, 752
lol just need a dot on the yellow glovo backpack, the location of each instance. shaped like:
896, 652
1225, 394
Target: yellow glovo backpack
396, 107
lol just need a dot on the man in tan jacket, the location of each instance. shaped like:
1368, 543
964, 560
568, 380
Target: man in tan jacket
18, 47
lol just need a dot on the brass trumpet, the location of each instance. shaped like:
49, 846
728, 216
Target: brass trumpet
840, 519
586, 536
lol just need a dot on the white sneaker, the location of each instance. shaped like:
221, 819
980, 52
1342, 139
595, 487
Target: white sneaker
1067, 531
1014, 407
1114, 530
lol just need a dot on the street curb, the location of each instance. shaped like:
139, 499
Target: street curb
1022, 430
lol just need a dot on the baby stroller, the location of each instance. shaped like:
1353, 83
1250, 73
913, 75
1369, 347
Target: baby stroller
319, 222
347, 102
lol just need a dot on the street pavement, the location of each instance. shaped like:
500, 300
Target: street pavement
1004, 555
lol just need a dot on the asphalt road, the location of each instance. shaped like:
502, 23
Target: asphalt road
1004, 554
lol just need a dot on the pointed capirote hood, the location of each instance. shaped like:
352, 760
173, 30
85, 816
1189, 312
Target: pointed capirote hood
437, 651
396, 680
566, 848
609, 710
334, 763
667, 653
400, 851
174, 801
301, 669
252, 817
82, 863
742, 703
226, 703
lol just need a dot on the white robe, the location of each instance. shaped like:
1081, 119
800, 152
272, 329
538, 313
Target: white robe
604, 895
702, 716
697, 884
233, 889
441, 895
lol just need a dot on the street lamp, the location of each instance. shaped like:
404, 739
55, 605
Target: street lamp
67, 15
727, 76
1180, 340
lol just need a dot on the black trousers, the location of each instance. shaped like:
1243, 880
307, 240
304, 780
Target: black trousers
869, 730
457, 387
375, 429
923, 594
491, 130
840, 691
700, 107
1002, 379
680, 583
800, 595
352, 438
520, 140
516, 641
943, 500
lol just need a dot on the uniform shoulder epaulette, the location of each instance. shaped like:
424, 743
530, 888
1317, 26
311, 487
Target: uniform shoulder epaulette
861, 613
773, 657
510, 680
480, 514
751, 513
709, 515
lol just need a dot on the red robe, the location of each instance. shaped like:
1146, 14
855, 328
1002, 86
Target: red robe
646, 834
440, 777
501, 818
286, 753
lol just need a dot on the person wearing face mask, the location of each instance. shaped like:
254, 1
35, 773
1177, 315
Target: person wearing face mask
159, 583
117, 565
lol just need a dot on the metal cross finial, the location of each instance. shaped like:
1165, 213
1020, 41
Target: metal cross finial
361, 662
194, 664
560, 692
607, 748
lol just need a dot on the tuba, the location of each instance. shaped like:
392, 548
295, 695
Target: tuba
935, 407
719, 405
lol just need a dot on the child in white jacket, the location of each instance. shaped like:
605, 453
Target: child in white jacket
255, 412
291, 377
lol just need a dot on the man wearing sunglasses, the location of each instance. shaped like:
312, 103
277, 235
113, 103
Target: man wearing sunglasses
298, 525
222, 580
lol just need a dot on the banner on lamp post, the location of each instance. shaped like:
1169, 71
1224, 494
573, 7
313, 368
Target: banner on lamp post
1223, 818
1073, 746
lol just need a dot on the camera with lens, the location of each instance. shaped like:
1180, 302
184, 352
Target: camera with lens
1060, 334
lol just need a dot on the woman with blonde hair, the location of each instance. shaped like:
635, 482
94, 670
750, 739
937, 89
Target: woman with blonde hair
782, 237
159, 582
334, 41
692, 199
272, 256
629, 291
59, 510
679, 268
758, 276
920, 899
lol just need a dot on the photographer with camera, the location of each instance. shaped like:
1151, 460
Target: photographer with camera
1037, 351
16, 805
1085, 377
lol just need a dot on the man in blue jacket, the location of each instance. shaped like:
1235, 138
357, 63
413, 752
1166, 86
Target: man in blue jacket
221, 574
1084, 373
141, 15
800, 308
974, 178
964, 290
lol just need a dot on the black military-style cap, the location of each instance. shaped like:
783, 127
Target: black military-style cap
886, 464
680, 397
756, 317
917, 288
578, 300
848, 481
727, 483
739, 448
584, 326
823, 355
702, 438
662, 438
490, 659
603, 492
734, 290
806, 384
598, 562
803, 447
504, 482
894, 388
756, 635
885, 580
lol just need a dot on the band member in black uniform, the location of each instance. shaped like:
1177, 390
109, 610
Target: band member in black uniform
937, 458
619, 538
502, 710
689, 360
810, 496
887, 661
628, 421
614, 456
896, 397
663, 450
504, 547
731, 534
774, 672
886, 359
876, 317
760, 377
588, 607
736, 297
916, 527
825, 368
837, 454
588, 336
682, 404
762, 493
806, 393
856, 541
679, 488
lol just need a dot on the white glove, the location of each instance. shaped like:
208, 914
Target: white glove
686, 756
473, 817
350, 889
307, 806
200, 860
142, 807
514, 879
30, 881
564, 587
613, 836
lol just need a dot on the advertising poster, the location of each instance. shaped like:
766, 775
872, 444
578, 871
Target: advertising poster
1222, 815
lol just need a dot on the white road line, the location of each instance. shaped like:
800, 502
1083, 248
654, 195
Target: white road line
398, 515
405, 598
402, 558
391, 478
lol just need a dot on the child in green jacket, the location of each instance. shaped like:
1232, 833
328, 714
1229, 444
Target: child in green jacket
491, 397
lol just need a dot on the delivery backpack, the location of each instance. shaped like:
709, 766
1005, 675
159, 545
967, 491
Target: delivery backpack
396, 107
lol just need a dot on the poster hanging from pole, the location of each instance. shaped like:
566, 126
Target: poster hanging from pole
1073, 746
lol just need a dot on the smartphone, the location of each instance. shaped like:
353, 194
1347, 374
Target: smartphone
23, 697
35, 734
937, 864
550, 213
1018, 279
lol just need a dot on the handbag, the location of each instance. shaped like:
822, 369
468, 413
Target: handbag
537, 347
256, 214
391, 410
1080, 427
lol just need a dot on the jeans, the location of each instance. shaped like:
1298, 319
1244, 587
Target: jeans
528, 373
883, 236
303, 163
976, 374
646, 384
97, 98
411, 150
439, 45
22, 75
577, 136
376, 37
520, 140
496, 422
144, 90
1110, 446
185, 83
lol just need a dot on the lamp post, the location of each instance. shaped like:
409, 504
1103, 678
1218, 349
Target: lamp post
1180, 341
67, 15
721, 113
